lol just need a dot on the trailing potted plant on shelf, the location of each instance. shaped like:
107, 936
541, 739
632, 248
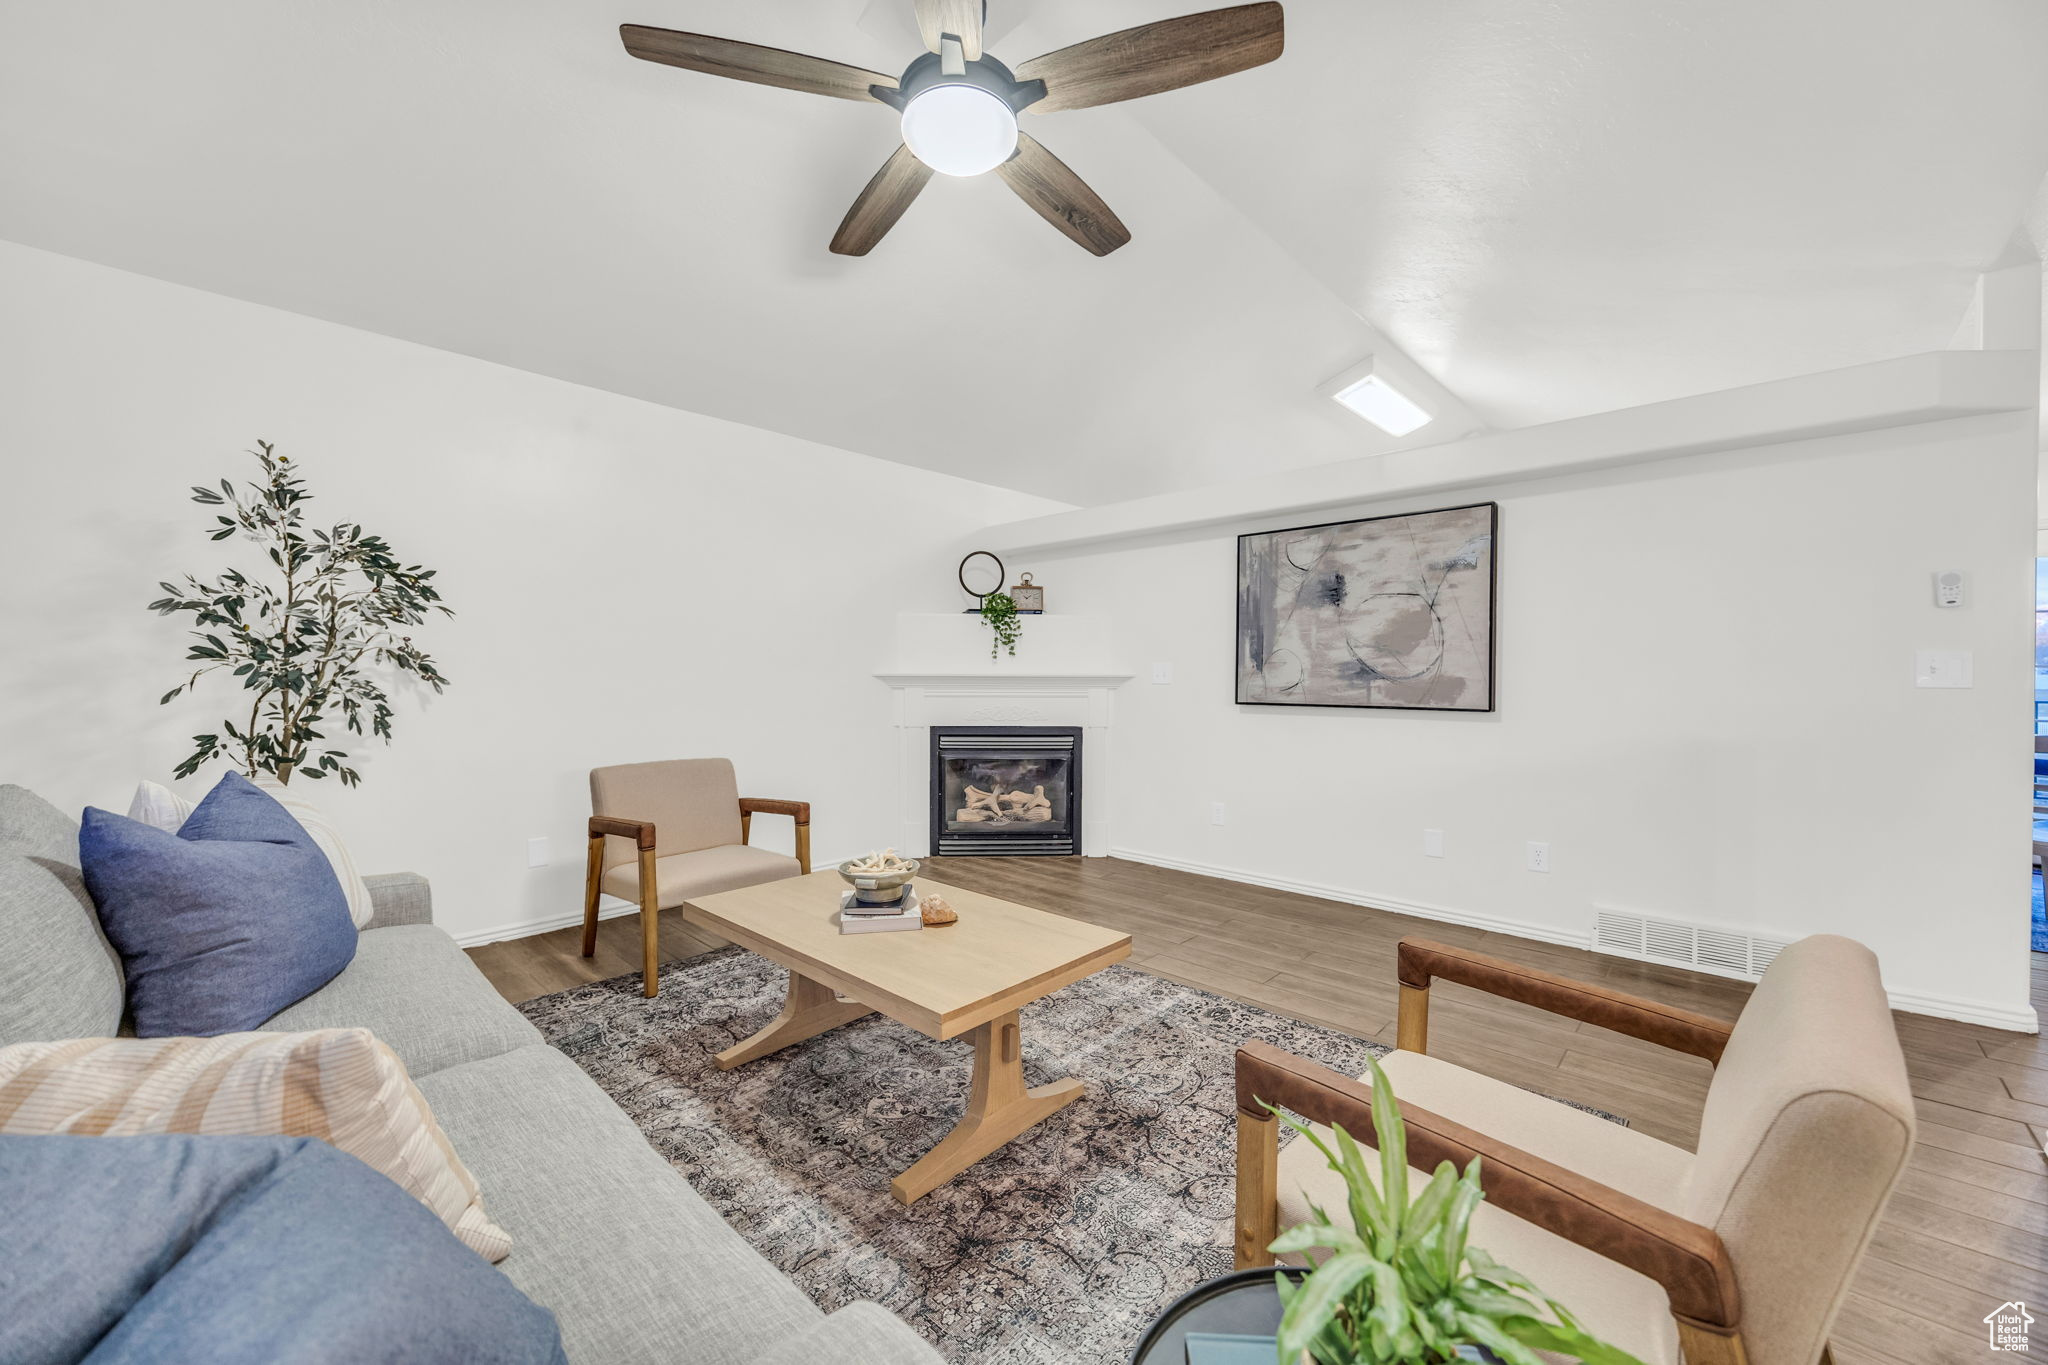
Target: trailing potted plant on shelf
314, 636
999, 614
1402, 1285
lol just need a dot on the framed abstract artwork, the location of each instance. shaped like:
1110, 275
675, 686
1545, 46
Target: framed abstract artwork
1385, 612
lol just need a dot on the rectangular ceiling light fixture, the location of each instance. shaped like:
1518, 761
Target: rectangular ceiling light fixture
1379, 402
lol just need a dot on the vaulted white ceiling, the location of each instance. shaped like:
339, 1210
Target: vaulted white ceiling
1554, 208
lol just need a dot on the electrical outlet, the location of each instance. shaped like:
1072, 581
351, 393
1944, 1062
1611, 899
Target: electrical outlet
1162, 674
537, 854
1432, 843
1216, 816
1539, 856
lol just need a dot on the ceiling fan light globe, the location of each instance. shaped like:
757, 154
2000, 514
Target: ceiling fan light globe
959, 129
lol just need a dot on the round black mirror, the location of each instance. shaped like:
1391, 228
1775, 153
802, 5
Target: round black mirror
981, 573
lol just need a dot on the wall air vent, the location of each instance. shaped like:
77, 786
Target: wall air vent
1681, 943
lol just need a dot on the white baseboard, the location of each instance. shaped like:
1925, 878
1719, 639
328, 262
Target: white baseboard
2017, 1020
608, 907
2020, 1020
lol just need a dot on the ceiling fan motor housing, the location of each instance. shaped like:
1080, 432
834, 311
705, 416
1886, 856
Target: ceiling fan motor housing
986, 73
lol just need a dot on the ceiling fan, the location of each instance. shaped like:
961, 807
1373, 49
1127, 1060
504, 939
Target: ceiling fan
960, 105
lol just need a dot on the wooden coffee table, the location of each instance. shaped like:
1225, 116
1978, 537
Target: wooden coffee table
969, 977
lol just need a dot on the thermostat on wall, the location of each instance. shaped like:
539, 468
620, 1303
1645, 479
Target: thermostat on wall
1948, 588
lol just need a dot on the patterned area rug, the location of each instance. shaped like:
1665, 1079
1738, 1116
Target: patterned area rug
1057, 1250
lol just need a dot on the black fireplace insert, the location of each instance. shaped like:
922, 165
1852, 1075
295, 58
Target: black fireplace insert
1006, 790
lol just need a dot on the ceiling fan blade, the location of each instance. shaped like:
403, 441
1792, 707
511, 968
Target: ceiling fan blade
1062, 198
748, 62
1154, 57
880, 204
961, 18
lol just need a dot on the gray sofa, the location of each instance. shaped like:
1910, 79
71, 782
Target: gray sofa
634, 1265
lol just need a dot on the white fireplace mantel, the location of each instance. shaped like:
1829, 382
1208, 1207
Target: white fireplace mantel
941, 674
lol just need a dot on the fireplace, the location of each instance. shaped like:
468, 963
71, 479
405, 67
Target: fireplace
1006, 790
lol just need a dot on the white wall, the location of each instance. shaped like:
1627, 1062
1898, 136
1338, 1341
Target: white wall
1706, 707
632, 582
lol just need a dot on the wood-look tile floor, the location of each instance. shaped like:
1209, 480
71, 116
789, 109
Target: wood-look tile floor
1967, 1230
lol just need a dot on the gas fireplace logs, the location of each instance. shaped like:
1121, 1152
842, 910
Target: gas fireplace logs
998, 807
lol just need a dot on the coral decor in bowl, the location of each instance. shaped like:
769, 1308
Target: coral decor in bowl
874, 885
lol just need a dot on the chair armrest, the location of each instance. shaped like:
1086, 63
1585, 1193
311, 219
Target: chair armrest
1701, 1035
1688, 1260
799, 810
761, 805
640, 831
399, 898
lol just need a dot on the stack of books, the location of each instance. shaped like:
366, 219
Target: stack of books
858, 917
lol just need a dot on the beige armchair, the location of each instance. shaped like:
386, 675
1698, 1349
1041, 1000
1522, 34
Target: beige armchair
664, 833
1739, 1254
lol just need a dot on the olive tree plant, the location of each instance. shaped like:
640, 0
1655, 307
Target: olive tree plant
314, 636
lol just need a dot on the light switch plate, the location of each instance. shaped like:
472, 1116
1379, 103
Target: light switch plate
1162, 673
1944, 668
1432, 843
537, 854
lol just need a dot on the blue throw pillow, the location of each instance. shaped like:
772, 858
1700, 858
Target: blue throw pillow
179, 1250
222, 924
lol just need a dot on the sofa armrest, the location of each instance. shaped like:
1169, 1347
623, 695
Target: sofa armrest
1420, 961
858, 1334
1686, 1259
399, 898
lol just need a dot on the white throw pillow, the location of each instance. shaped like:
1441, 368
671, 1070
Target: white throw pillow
309, 816
159, 807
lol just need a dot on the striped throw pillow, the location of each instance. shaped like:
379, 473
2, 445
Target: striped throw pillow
340, 1085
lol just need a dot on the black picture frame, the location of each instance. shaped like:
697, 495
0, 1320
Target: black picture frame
1238, 637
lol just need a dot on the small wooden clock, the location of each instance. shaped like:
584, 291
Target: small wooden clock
1028, 596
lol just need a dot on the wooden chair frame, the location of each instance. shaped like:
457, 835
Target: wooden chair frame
644, 838
1688, 1260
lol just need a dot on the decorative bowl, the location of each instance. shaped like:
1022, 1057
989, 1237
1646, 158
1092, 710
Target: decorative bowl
878, 888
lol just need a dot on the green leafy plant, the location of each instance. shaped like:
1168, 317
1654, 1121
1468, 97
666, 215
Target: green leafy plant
999, 614
1402, 1285
305, 639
